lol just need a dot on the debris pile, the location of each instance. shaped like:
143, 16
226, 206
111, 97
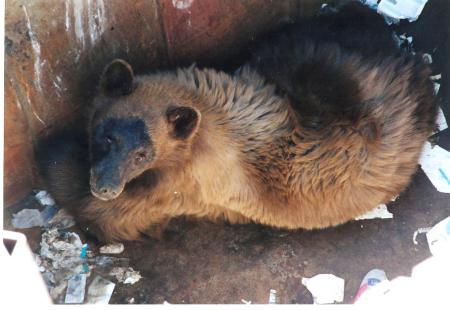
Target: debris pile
50, 216
62, 256
66, 263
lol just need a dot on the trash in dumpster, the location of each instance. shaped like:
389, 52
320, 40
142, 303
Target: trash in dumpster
404, 42
63, 249
65, 261
45, 199
370, 3
436, 77
441, 121
75, 289
439, 238
108, 261
272, 296
374, 278
27, 218
62, 220
437, 86
49, 216
48, 213
428, 59
61, 258
420, 230
125, 275
100, 291
401, 9
435, 162
325, 288
113, 248
380, 212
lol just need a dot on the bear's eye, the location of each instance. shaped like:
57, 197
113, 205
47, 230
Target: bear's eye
140, 157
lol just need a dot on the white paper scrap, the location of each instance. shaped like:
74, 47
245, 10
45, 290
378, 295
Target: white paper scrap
272, 296
435, 162
112, 248
27, 218
325, 288
427, 58
75, 289
380, 212
370, 3
100, 291
126, 275
436, 77
437, 86
439, 238
402, 9
441, 121
45, 199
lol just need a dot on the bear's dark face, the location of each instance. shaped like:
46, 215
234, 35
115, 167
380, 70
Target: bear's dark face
133, 129
119, 146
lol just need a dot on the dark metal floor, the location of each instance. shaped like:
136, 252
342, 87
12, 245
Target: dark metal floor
199, 262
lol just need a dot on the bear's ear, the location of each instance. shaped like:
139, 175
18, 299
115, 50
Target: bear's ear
117, 79
183, 121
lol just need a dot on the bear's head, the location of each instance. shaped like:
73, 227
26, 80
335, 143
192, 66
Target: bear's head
137, 123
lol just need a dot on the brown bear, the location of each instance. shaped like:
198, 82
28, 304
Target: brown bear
315, 141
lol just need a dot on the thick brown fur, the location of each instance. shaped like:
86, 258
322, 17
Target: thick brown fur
253, 157
251, 161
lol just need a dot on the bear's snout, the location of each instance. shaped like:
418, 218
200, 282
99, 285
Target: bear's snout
105, 186
105, 192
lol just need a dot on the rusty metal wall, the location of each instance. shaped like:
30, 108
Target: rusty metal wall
55, 50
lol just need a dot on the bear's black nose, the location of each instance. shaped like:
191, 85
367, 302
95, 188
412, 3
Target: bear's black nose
105, 193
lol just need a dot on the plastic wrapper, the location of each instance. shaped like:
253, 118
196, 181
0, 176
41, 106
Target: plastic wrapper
100, 291
27, 218
75, 289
